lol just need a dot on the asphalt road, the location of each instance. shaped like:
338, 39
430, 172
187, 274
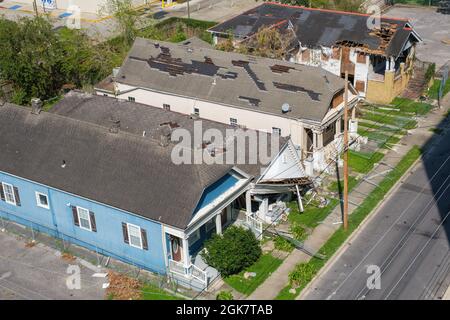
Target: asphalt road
408, 239
39, 273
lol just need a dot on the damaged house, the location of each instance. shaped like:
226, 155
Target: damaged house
99, 173
378, 54
273, 96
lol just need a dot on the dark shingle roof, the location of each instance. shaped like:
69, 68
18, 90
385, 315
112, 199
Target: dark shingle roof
123, 169
230, 78
317, 27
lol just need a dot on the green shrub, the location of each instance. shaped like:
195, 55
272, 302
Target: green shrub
233, 251
282, 244
298, 231
224, 295
302, 274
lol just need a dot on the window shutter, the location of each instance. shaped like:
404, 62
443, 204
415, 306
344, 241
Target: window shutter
2, 194
75, 216
144, 239
93, 225
16, 195
125, 233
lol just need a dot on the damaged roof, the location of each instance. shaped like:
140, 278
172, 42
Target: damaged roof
320, 27
244, 81
128, 170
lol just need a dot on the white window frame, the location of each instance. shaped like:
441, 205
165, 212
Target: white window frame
166, 106
4, 185
233, 121
38, 200
276, 130
131, 99
129, 235
197, 111
88, 218
194, 236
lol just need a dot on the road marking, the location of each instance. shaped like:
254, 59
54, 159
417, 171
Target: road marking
99, 275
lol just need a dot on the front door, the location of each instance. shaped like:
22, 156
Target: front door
175, 246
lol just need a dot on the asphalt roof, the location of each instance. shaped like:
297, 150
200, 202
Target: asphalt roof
244, 81
126, 170
318, 27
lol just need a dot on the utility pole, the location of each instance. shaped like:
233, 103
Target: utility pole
35, 8
189, 10
345, 218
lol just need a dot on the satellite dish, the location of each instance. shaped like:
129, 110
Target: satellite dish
285, 107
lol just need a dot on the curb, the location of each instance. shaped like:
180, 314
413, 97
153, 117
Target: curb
356, 232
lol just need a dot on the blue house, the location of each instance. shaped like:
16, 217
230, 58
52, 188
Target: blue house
98, 172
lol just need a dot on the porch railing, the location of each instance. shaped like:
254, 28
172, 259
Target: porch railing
177, 267
255, 225
199, 274
191, 271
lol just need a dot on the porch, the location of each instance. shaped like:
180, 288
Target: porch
188, 266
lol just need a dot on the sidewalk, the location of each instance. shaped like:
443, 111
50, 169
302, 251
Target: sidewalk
419, 136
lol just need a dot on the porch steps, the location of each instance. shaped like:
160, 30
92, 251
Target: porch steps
416, 85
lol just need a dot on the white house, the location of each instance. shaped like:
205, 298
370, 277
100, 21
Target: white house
296, 101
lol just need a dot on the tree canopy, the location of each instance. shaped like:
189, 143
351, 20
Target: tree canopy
39, 60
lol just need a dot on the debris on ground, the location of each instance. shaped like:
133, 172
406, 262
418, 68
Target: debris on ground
30, 244
68, 257
122, 287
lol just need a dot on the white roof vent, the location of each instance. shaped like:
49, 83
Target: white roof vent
285, 107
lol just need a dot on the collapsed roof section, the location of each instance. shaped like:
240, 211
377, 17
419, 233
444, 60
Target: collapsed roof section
328, 28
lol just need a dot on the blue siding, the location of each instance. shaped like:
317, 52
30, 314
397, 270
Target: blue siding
58, 221
216, 189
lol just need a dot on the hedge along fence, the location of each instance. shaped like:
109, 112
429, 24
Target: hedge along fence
312, 267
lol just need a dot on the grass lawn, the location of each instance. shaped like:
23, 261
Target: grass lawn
334, 187
363, 162
150, 292
407, 105
355, 219
433, 92
399, 122
381, 139
265, 265
311, 217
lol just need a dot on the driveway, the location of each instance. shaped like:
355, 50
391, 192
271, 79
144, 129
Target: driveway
40, 273
433, 27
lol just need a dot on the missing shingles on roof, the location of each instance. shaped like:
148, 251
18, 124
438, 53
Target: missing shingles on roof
289, 87
251, 101
228, 75
278, 68
246, 65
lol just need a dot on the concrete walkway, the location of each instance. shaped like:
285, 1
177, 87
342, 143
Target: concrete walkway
280, 278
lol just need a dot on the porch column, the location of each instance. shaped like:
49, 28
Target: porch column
320, 140
338, 126
388, 67
186, 255
314, 140
354, 113
218, 224
248, 202
392, 64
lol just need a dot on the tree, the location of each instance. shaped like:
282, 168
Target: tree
125, 17
233, 251
38, 60
270, 42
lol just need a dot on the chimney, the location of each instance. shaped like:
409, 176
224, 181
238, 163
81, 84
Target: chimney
36, 106
115, 125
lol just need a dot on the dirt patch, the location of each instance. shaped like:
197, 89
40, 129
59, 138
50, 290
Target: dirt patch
30, 244
68, 257
122, 287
